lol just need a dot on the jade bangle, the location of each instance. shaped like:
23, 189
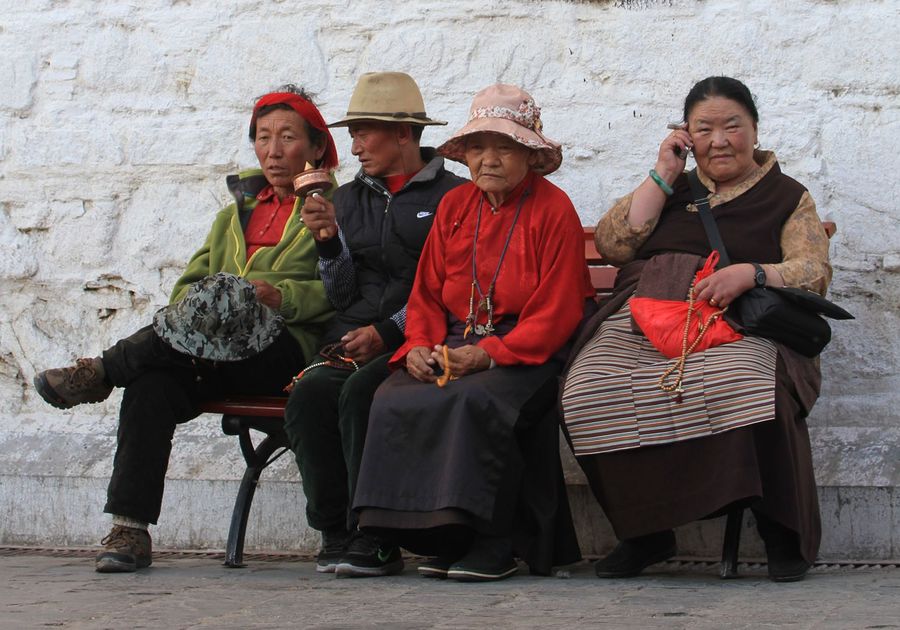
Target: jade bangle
661, 182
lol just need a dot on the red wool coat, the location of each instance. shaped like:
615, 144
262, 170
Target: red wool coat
544, 279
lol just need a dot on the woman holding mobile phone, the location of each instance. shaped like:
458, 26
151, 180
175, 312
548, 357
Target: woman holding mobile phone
736, 434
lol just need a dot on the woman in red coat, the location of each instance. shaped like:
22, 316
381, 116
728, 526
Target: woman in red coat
469, 472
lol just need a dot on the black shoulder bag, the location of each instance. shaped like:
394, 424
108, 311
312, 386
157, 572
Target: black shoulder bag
788, 315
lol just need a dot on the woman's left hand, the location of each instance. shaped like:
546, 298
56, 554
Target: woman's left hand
267, 294
463, 360
420, 365
725, 285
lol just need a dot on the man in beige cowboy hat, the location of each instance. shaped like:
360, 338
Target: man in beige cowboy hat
369, 241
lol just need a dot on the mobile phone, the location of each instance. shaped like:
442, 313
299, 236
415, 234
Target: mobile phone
681, 153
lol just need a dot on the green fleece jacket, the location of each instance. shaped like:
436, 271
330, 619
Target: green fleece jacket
290, 266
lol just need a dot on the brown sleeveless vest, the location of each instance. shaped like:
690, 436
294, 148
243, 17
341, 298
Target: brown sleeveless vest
750, 224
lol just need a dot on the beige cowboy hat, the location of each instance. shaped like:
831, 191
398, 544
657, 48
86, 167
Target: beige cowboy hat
510, 111
389, 97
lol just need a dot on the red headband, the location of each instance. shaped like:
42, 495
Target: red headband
310, 114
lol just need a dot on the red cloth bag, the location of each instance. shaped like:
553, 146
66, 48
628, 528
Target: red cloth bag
677, 328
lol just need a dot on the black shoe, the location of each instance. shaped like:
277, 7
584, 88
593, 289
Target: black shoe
786, 567
369, 556
489, 558
785, 564
334, 546
436, 567
633, 555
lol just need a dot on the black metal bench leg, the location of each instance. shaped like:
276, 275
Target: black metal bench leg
731, 544
234, 548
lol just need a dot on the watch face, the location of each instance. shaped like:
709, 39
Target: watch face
760, 278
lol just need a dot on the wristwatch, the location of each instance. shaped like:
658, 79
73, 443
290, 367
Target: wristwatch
759, 275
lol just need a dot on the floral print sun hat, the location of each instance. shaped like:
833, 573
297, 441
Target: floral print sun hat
510, 111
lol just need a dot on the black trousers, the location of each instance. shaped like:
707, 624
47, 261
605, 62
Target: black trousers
326, 420
164, 388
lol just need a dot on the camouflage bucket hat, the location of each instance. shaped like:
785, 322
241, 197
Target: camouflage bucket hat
219, 319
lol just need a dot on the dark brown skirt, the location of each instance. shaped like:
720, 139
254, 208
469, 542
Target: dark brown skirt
482, 453
767, 466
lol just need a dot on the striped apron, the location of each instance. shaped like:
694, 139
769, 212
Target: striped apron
612, 400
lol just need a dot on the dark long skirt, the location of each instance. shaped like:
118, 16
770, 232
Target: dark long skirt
481, 453
767, 466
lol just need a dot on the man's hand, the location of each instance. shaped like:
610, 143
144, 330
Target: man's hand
420, 365
363, 344
463, 360
318, 215
267, 294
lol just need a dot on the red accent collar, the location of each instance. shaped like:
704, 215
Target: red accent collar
268, 193
395, 182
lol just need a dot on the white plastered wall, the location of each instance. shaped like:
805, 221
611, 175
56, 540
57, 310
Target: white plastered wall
119, 122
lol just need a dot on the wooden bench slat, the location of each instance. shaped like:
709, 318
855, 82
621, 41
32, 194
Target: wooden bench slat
255, 406
591, 255
603, 278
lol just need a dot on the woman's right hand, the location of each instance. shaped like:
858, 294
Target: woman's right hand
648, 199
318, 215
420, 365
673, 154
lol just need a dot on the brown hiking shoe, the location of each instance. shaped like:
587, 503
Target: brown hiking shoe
126, 549
69, 386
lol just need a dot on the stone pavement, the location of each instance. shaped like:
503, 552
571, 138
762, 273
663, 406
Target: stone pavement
183, 591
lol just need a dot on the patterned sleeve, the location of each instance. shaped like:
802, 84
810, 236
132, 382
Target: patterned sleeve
399, 318
616, 239
339, 276
804, 249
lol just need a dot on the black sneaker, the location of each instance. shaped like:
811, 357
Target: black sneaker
436, 567
334, 545
633, 555
488, 559
369, 556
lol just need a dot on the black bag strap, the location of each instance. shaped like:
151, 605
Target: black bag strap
700, 194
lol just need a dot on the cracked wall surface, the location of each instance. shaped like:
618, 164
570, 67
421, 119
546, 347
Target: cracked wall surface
120, 122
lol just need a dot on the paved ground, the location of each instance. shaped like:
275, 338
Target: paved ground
194, 591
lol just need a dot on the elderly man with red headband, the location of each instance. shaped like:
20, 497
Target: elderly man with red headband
244, 316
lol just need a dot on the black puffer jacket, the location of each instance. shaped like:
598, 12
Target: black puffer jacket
385, 234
